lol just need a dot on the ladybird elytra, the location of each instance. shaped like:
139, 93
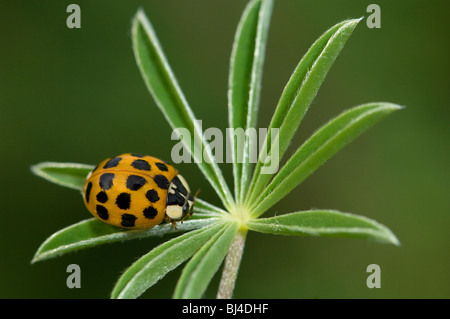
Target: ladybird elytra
134, 191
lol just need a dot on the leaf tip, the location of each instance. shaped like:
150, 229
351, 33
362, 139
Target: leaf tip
397, 242
394, 240
391, 106
37, 257
140, 13
389, 237
40, 170
353, 22
394, 106
36, 169
399, 107
139, 18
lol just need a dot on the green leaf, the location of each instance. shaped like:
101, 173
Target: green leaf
325, 223
168, 96
203, 207
201, 268
297, 96
244, 83
323, 144
72, 175
151, 267
92, 232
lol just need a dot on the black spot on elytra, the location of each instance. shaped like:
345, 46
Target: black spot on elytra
161, 181
128, 220
87, 194
123, 200
175, 199
141, 165
106, 181
180, 187
113, 162
102, 197
135, 182
137, 155
162, 167
102, 212
150, 212
152, 195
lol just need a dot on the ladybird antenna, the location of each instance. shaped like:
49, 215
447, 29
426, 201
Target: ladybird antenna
196, 194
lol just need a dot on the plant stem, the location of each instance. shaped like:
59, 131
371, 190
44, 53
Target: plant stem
232, 262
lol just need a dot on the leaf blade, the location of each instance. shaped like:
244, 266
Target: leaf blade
204, 264
92, 232
201, 206
244, 83
71, 175
151, 267
323, 144
163, 86
297, 96
324, 223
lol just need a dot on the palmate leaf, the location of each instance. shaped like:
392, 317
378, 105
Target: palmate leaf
325, 223
212, 230
323, 144
168, 96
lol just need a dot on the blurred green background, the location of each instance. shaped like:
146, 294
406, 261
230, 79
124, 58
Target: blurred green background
76, 95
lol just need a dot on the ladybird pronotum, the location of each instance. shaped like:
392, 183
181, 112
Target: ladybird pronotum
137, 192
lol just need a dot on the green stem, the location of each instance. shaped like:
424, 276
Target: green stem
231, 268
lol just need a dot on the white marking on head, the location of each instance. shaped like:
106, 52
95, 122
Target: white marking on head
174, 212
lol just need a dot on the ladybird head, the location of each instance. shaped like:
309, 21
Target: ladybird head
180, 201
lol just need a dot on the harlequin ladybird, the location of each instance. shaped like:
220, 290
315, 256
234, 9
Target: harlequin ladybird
137, 192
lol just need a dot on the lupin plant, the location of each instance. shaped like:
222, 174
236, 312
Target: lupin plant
215, 235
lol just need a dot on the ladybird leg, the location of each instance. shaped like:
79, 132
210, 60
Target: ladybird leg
169, 220
187, 216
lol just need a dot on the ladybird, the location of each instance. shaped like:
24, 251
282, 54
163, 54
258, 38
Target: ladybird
134, 191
